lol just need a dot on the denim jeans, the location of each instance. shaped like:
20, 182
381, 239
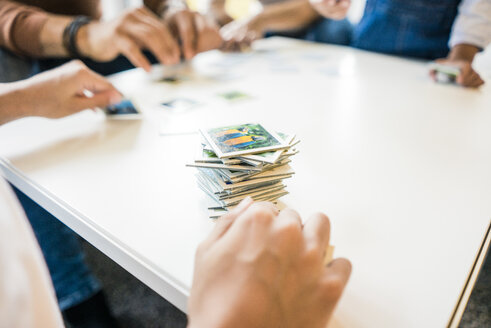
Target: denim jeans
416, 28
14, 68
322, 30
72, 279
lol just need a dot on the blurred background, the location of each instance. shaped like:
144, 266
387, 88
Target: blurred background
242, 8
236, 8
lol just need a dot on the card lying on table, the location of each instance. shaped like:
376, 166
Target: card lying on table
247, 160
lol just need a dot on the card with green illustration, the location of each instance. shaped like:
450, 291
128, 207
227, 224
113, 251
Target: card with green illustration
234, 95
243, 139
271, 157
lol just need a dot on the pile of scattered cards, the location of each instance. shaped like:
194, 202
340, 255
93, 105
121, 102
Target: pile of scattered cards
234, 162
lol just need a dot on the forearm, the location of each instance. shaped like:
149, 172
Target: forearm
13, 101
30, 31
465, 52
51, 36
286, 16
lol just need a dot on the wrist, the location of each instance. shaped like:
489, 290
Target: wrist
463, 52
51, 36
71, 34
257, 23
82, 40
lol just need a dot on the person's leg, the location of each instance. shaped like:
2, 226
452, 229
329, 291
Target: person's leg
14, 68
64, 256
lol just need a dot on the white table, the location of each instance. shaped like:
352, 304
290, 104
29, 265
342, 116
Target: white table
400, 164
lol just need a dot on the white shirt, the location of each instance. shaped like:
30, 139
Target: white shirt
473, 24
27, 298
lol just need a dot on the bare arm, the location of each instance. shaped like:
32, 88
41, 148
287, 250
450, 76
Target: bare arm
56, 93
286, 16
30, 31
11, 108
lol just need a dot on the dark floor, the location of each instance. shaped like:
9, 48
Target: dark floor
136, 305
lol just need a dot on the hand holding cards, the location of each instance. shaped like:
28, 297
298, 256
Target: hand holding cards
444, 73
238, 161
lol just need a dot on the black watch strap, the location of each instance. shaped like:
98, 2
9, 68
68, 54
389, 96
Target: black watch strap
70, 33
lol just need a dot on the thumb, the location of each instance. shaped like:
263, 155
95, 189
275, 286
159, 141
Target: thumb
100, 99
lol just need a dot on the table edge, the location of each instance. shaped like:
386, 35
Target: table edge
461, 304
156, 279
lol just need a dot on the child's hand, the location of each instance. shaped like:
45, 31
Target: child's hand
468, 77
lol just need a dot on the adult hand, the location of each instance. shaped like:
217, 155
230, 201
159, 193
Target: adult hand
334, 9
260, 268
195, 32
63, 91
136, 30
468, 77
239, 35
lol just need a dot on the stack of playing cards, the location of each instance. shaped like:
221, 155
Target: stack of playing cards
237, 161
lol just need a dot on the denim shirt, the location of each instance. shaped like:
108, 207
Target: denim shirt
413, 28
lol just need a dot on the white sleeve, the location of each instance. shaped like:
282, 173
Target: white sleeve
27, 298
473, 24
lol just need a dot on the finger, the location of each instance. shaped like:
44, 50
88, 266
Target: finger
98, 100
172, 45
339, 268
226, 221
316, 232
131, 51
464, 77
259, 213
208, 36
97, 83
187, 33
475, 81
288, 238
160, 40
334, 280
154, 39
432, 74
289, 215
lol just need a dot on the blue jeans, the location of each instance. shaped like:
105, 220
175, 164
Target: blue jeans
61, 247
72, 279
322, 30
14, 68
416, 28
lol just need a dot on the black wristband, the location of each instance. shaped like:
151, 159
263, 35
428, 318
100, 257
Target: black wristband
70, 32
